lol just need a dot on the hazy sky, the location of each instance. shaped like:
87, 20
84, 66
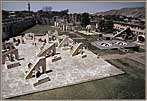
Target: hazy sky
74, 7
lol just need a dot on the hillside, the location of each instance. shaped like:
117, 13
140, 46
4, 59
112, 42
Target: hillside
133, 12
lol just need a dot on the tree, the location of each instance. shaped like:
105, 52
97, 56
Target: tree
64, 12
47, 8
101, 25
108, 26
85, 20
5, 14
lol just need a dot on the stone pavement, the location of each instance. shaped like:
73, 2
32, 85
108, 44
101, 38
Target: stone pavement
67, 71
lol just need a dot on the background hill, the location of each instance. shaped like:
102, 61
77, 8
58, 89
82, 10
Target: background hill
137, 12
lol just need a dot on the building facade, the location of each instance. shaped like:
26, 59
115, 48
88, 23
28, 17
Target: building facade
136, 29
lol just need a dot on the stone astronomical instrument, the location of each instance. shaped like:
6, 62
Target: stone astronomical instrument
141, 38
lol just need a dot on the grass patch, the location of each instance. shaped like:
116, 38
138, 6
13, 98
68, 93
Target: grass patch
129, 66
38, 29
141, 50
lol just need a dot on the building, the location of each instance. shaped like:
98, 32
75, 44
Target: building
136, 29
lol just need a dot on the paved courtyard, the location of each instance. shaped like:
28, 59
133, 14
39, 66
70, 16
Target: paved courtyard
67, 71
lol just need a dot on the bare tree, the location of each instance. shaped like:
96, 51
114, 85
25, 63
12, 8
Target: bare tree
47, 8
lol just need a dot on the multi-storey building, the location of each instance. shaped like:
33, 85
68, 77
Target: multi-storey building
136, 29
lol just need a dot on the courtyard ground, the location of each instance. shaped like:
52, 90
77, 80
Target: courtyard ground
130, 85
127, 86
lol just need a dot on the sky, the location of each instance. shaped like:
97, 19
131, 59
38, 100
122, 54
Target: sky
74, 7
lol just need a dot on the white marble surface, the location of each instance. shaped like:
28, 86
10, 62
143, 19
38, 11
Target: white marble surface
67, 71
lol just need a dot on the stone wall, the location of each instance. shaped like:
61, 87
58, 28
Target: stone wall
17, 26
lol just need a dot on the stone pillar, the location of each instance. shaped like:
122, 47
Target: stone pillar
66, 27
57, 24
96, 26
47, 37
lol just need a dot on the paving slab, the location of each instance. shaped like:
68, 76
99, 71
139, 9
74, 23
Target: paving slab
66, 71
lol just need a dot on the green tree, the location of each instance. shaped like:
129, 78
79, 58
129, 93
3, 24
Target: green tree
108, 26
101, 25
64, 12
85, 19
5, 14
105, 26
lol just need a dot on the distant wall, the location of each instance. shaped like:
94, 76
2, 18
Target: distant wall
43, 21
16, 26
